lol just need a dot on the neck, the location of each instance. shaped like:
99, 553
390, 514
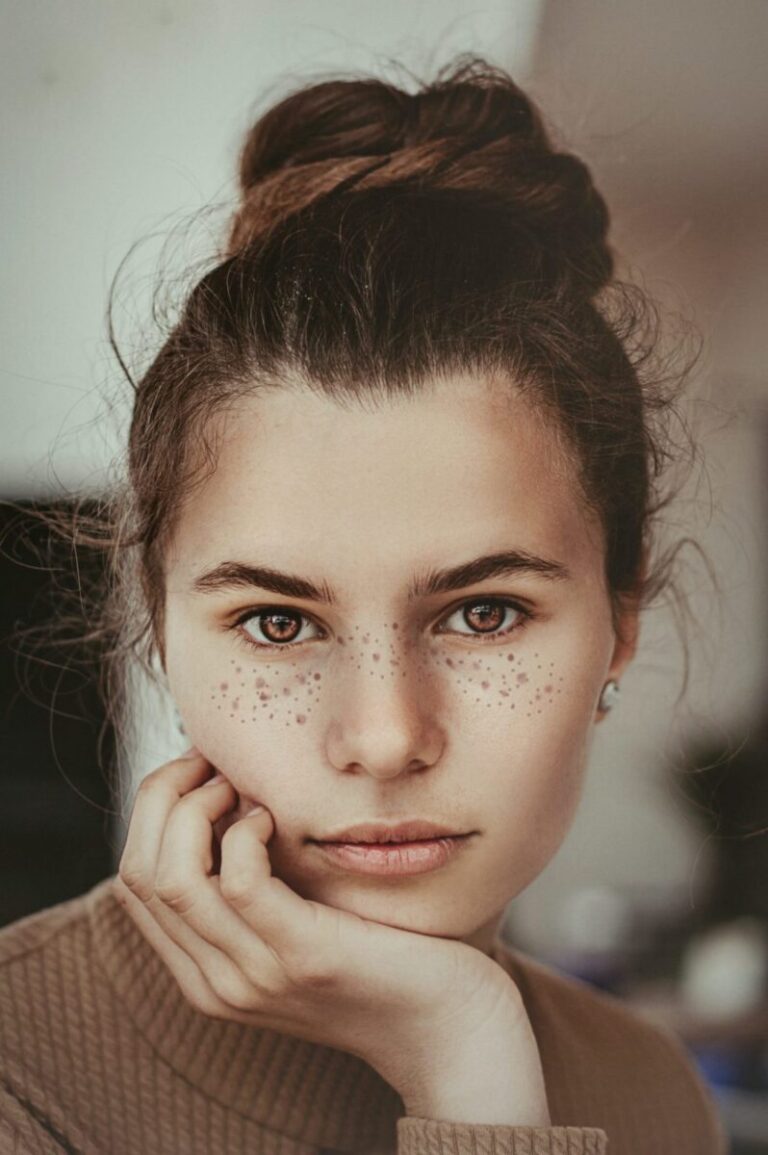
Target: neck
482, 938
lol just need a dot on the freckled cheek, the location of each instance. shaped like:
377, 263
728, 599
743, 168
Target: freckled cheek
498, 688
255, 725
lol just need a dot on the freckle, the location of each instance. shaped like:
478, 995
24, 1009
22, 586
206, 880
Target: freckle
547, 689
301, 678
224, 686
475, 665
301, 719
504, 693
317, 677
485, 685
450, 662
238, 669
510, 657
395, 626
522, 678
271, 715
341, 641
260, 682
264, 696
286, 690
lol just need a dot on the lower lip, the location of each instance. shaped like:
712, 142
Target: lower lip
394, 857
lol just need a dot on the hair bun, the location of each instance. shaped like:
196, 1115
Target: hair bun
471, 129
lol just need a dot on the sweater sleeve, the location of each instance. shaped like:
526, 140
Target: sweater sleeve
417, 1136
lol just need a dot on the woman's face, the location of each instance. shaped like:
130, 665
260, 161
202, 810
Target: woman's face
394, 675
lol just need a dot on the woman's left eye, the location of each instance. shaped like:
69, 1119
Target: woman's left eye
486, 616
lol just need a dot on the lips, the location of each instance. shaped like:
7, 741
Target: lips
413, 830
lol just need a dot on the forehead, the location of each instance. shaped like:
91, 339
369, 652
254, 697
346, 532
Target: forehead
463, 463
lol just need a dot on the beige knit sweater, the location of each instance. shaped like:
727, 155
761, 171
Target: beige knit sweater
101, 1054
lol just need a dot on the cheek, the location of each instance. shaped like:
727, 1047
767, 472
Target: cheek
494, 687
525, 713
251, 721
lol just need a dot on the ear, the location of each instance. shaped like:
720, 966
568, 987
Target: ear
626, 636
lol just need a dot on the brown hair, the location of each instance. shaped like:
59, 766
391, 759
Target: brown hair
385, 238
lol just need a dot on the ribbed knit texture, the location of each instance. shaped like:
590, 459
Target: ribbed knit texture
101, 1053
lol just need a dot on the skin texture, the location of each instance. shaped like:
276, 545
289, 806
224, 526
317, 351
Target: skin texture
389, 708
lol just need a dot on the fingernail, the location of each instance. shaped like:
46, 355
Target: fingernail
215, 780
192, 752
255, 810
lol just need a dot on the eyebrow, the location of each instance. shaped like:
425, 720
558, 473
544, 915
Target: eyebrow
234, 575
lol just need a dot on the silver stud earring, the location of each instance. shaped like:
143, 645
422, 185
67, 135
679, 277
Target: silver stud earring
610, 695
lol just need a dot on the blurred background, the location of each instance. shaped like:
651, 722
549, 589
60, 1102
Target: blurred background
118, 122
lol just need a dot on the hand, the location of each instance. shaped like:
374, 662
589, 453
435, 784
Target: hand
243, 946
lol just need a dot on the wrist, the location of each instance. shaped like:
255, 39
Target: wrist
492, 1075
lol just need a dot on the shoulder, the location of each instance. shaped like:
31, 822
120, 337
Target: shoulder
606, 1066
37, 932
47, 980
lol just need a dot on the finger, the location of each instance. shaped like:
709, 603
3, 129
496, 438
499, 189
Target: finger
156, 796
197, 964
184, 887
281, 918
191, 978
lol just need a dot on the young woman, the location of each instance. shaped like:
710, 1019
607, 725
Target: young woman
387, 528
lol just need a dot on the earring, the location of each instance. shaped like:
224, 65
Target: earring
610, 695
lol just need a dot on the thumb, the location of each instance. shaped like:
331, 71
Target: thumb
261, 813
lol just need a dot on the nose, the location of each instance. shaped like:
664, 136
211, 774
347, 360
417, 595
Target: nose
386, 725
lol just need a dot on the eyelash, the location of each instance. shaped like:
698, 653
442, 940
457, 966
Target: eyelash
263, 611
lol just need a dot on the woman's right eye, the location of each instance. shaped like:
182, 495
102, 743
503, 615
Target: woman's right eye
278, 628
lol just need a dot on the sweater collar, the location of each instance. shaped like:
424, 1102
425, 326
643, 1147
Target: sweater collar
314, 1094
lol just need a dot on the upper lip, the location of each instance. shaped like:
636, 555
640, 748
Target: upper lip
410, 831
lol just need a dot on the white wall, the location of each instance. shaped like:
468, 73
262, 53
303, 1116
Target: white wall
118, 120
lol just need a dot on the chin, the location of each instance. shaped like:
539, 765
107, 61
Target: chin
392, 906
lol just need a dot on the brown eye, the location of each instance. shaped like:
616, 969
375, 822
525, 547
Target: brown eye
484, 616
275, 627
280, 627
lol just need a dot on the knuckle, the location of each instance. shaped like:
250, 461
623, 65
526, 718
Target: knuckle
200, 996
174, 894
150, 783
135, 880
236, 992
309, 971
265, 981
236, 887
